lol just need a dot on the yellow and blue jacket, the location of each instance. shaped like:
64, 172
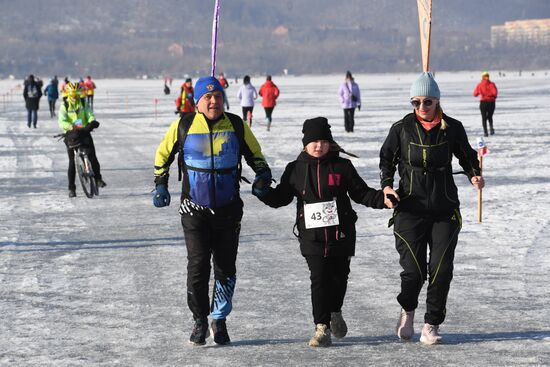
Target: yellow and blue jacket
210, 156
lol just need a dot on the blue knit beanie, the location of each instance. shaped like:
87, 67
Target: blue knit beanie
425, 86
206, 84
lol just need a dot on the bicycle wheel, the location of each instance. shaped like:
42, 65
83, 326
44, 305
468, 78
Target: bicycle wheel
93, 184
87, 181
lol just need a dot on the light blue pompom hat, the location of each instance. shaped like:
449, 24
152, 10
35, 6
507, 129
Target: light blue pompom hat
425, 86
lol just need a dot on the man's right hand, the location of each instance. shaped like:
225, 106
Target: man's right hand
162, 196
388, 201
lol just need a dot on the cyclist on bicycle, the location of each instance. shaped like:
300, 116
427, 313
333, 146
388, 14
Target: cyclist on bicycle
77, 121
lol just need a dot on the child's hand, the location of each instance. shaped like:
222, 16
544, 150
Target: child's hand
391, 198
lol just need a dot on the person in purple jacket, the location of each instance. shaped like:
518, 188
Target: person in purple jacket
350, 98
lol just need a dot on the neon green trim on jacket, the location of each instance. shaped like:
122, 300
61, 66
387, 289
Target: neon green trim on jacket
165, 152
69, 114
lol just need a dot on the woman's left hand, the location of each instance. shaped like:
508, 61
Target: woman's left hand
478, 182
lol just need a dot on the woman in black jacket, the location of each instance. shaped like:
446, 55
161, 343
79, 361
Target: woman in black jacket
422, 146
321, 181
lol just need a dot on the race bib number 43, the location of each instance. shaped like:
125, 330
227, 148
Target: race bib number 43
323, 214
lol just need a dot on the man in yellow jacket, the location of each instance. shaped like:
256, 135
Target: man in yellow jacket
210, 144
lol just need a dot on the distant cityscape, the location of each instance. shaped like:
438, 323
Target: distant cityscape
259, 37
532, 32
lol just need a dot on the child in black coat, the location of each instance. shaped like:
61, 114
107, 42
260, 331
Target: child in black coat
323, 183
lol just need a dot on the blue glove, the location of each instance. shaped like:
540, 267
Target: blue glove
262, 183
162, 196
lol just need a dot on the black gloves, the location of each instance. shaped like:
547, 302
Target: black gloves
92, 125
262, 183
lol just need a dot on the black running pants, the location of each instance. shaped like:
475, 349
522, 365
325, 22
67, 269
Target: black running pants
245, 112
414, 236
349, 120
487, 109
329, 282
268, 112
87, 143
209, 236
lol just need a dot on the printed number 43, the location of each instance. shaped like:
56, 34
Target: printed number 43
316, 216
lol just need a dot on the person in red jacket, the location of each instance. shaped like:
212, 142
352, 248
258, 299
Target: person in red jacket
185, 102
225, 85
269, 93
487, 92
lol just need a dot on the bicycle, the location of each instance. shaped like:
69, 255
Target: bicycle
83, 167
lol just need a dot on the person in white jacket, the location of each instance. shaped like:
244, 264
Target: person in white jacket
247, 95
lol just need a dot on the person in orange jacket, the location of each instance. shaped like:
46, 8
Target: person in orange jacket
225, 85
90, 91
185, 102
487, 92
269, 93
223, 81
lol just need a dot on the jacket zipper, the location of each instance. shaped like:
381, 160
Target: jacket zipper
212, 165
321, 198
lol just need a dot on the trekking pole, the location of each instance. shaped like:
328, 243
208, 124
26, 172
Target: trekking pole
481, 151
480, 192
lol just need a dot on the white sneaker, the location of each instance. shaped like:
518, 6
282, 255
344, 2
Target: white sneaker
321, 337
405, 328
430, 334
338, 325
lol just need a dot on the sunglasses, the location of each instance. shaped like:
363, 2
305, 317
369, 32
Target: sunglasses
416, 103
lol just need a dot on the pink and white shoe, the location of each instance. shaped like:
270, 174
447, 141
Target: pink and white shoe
430, 335
405, 328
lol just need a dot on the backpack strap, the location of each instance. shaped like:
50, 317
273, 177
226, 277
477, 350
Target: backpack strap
238, 127
244, 149
183, 129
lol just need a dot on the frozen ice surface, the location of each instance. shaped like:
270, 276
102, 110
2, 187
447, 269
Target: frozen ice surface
101, 282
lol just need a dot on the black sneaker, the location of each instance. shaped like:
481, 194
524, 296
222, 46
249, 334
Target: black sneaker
200, 332
219, 329
100, 183
72, 193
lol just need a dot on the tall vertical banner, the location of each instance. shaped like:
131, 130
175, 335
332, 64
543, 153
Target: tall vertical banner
215, 27
425, 23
